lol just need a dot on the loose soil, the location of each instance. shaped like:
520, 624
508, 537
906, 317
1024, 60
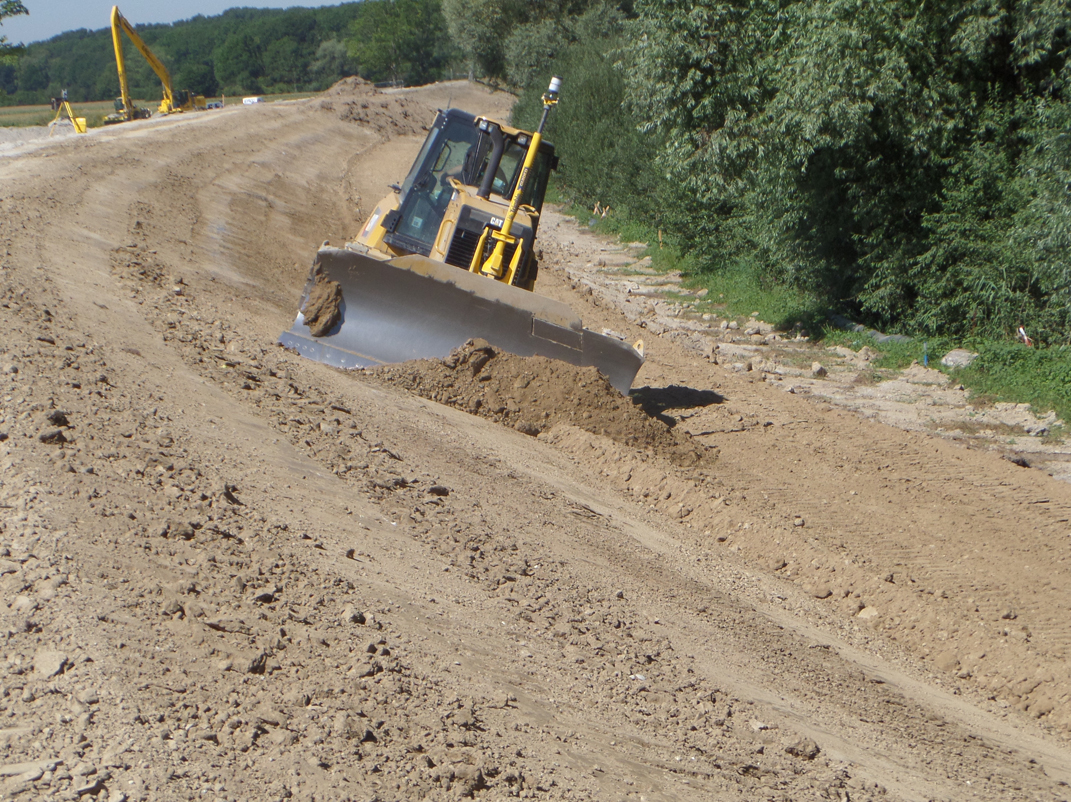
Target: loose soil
533, 394
229, 573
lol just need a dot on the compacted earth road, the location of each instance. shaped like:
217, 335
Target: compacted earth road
227, 573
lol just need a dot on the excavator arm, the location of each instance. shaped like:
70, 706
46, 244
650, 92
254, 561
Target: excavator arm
121, 26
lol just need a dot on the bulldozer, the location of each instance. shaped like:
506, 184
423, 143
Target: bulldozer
173, 100
450, 256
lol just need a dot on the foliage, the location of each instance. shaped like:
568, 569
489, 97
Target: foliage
401, 41
243, 51
605, 158
10, 8
900, 159
502, 39
1040, 377
479, 28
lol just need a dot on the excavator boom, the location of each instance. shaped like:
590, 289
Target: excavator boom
129, 111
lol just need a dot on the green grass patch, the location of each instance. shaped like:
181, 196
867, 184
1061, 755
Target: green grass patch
22, 116
736, 290
1009, 371
1005, 371
894, 355
665, 256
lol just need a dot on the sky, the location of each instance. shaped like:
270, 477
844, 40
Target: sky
50, 17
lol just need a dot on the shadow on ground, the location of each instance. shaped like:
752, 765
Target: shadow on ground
655, 401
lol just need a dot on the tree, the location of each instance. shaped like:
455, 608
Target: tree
259, 49
238, 63
10, 8
832, 143
400, 41
283, 63
479, 29
331, 62
199, 78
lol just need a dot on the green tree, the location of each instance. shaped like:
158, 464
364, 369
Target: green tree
283, 64
332, 61
401, 41
480, 28
532, 47
239, 63
10, 8
834, 144
198, 77
260, 48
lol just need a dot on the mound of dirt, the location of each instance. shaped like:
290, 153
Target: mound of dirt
388, 114
532, 394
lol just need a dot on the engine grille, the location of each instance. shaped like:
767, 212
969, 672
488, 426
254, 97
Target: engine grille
463, 246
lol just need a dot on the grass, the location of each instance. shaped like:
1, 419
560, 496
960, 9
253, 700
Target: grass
1005, 370
894, 355
19, 116
736, 291
96, 111
1009, 371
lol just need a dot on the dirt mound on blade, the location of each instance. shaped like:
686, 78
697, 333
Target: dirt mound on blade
532, 394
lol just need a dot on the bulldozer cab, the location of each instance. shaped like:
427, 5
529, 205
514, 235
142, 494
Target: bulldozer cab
461, 148
508, 169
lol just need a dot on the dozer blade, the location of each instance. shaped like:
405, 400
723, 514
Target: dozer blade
415, 308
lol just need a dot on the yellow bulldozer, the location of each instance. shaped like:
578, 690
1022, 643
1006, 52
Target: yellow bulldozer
449, 256
173, 101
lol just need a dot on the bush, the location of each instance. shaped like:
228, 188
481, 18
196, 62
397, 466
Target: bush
1038, 376
604, 155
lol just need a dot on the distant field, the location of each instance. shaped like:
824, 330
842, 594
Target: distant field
13, 116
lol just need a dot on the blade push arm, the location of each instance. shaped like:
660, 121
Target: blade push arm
494, 265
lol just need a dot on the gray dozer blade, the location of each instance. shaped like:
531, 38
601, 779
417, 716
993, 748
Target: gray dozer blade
415, 308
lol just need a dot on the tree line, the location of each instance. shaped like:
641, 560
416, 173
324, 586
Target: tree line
243, 51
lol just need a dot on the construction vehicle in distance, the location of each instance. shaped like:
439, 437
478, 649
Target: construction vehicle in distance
173, 101
450, 256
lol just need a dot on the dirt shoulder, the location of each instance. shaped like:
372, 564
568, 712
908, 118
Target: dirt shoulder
230, 573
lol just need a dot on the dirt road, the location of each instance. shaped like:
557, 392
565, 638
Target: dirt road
228, 573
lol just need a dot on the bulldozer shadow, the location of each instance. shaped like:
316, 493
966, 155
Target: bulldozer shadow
655, 401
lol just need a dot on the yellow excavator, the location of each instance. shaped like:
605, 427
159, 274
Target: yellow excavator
450, 256
173, 101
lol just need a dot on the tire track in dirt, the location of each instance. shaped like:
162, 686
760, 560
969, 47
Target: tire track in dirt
842, 504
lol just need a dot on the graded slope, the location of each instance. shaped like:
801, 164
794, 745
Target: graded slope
229, 573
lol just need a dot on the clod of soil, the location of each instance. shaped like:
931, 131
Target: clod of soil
532, 394
322, 310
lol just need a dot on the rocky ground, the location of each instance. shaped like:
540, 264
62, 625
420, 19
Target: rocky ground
227, 573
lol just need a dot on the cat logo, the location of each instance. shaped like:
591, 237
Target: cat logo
497, 222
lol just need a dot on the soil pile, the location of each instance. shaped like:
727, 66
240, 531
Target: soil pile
388, 114
532, 394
